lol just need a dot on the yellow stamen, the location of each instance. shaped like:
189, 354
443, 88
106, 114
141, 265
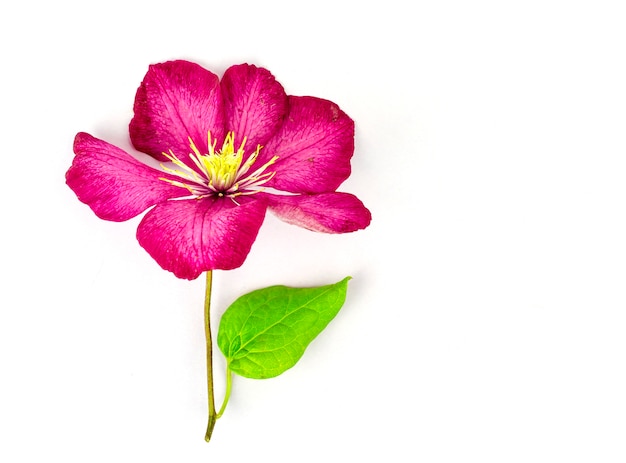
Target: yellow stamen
219, 172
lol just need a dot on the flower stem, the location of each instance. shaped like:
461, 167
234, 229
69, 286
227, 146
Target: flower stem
209, 356
209, 363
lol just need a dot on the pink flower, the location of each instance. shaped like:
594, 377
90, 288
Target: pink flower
230, 150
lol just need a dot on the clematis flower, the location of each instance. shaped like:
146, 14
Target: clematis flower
228, 150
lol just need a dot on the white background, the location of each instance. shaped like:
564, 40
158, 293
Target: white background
485, 319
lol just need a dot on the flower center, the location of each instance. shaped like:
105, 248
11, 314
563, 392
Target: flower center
220, 172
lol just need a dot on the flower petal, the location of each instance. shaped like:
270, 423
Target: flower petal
254, 102
175, 101
115, 185
190, 236
327, 212
314, 147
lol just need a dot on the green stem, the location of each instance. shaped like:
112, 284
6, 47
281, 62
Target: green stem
209, 363
229, 384
209, 356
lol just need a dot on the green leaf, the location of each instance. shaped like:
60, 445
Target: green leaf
265, 332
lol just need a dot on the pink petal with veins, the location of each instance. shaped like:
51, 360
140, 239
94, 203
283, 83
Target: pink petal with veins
175, 101
314, 147
327, 212
255, 104
188, 237
115, 185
